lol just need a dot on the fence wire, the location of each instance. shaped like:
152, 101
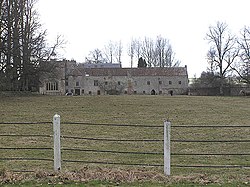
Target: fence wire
26, 159
109, 124
125, 152
25, 123
113, 140
27, 135
126, 140
114, 163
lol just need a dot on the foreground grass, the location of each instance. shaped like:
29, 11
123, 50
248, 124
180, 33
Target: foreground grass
141, 110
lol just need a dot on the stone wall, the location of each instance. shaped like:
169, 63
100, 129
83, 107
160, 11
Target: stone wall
157, 85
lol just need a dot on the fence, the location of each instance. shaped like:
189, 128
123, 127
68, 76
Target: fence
166, 146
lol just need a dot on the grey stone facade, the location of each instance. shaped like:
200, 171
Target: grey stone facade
79, 80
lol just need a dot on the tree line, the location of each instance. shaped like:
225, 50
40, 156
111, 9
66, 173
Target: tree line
24, 53
145, 52
228, 56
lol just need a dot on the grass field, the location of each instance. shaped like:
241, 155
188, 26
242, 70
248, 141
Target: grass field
138, 110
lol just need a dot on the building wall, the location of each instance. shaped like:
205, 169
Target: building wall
94, 85
54, 83
73, 78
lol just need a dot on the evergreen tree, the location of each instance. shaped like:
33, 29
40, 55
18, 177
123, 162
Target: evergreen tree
142, 63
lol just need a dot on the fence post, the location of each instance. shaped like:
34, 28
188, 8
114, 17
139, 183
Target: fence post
167, 126
57, 144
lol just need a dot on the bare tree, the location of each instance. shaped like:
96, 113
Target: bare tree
164, 55
138, 48
158, 53
23, 46
109, 51
147, 52
118, 51
242, 67
169, 60
160, 45
223, 51
113, 52
95, 56
131, 51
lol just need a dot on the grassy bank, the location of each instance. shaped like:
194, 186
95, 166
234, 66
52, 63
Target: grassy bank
137, 110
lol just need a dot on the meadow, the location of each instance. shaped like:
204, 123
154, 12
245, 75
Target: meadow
131, 110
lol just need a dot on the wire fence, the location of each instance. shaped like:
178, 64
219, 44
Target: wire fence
148, 127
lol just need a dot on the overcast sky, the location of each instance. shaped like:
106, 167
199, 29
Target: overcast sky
90, 24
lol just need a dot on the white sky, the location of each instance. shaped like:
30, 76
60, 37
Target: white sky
90, 24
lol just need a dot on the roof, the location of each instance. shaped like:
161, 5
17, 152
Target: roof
156, 71
102, 65
75, 72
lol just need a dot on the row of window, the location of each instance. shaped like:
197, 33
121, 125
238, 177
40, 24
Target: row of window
78, 92
51, 86
96, 83
67, 83
160, 82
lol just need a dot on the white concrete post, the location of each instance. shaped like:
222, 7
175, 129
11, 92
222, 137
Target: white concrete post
57, 143
167, 126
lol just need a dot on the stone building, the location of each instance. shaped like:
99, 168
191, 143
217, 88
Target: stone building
82, 79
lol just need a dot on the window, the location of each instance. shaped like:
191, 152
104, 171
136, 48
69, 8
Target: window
119, 83
77, 83
82, 91
148, 82
170, 82
52, 86
90, 92
144, 92
95, 82
160, 82
106, 83
179, 82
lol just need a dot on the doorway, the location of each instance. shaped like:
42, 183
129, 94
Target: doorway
77, 92
152, 92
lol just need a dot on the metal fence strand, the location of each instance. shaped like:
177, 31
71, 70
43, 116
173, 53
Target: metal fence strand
111, 151
114, 163
212, 141
116, 140
27, 159
210, 154
211, 166
109, 124
27, 135
26, 148
210, 126
25, 123
156, 126
103, 139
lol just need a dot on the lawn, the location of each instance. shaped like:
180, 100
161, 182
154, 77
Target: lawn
131, 110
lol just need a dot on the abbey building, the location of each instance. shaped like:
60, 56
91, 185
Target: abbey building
101, 79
